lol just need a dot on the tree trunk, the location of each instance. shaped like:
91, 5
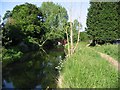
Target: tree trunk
71, 33
71, 38
78, 39
68, 43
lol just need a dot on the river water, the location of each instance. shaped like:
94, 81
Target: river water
34, 70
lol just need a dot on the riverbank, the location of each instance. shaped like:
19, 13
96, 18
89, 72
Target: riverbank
37, 68
87, 69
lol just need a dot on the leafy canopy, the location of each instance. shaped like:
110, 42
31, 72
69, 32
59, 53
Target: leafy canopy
102, 21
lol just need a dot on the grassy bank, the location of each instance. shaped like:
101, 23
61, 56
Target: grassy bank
110, 49
86, 69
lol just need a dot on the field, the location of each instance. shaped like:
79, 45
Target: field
86, 69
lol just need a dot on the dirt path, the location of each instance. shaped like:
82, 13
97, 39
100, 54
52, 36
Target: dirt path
111, 60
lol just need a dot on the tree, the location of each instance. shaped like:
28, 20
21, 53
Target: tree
55, 17
76, 29
30, 20
11, 33
118, 10
7, 15
84, 36
23, 21
0, 25
102, 21
75, 26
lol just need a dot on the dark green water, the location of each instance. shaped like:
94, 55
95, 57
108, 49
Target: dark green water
34, 70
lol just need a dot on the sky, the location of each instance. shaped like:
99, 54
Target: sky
79, 7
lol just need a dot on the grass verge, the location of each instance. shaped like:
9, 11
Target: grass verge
111, 50
86, 69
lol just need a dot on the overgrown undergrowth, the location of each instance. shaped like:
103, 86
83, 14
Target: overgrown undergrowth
86, 69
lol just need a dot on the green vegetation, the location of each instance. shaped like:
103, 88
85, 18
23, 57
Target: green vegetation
29, 27
118, 10
86, 69
110, 49
55, 17
29, 23
0, 54
36, 68
75, 28
10, 55
0, 50
84, 36
102, 21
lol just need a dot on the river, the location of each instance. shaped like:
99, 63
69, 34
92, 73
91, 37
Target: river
34, 70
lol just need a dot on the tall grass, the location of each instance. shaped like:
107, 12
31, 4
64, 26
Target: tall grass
86, 69
110, 49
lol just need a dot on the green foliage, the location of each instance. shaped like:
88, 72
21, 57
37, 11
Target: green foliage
102, 21
75, 28
86, 69
55, 18
27, 25
10, 55
84, 36
34, 24
7, 14
11, 34
118, 10
0, 54
23, 22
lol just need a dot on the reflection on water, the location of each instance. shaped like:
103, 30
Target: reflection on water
34, 70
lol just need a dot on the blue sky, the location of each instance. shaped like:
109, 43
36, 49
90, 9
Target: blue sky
79, 7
